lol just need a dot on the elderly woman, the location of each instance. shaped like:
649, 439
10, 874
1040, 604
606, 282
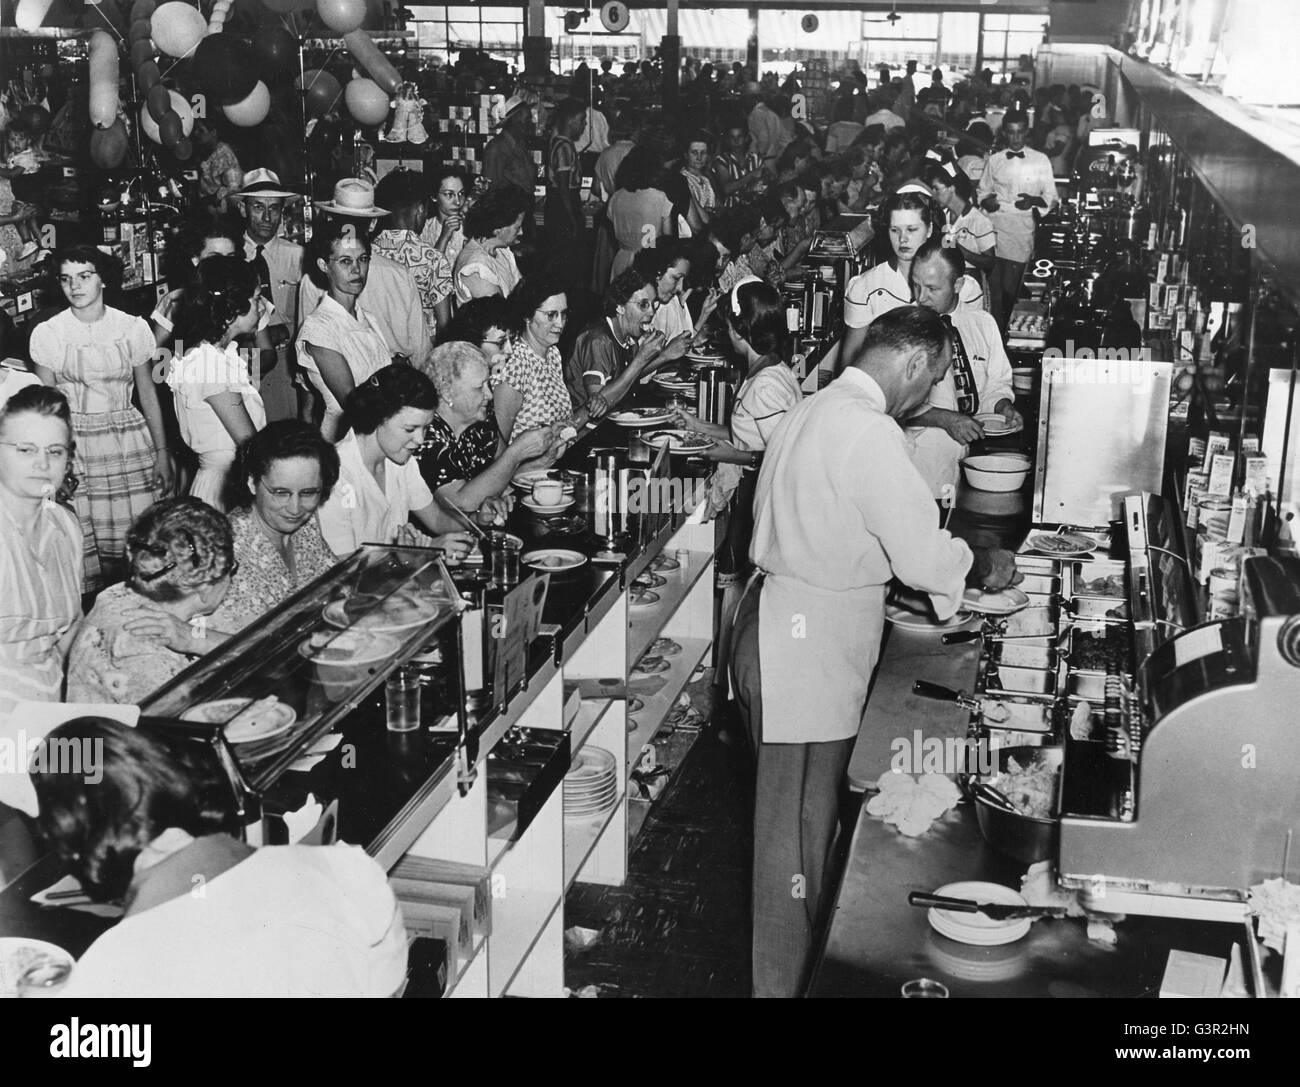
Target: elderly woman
463, 457
159, 822
380, 486
530, 391
99, 357
340, 344
217, 406
40, 546
281, 477
141, 633
485, 265
613, 352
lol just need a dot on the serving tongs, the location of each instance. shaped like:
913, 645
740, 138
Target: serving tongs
996, 911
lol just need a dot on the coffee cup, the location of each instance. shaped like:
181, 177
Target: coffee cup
548, 492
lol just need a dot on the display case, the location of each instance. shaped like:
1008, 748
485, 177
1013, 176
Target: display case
287, 680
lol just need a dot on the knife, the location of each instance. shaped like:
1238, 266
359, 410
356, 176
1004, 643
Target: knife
996, 911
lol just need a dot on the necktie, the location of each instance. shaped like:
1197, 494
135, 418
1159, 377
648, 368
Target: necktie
963, 377
263, 271
1015, 154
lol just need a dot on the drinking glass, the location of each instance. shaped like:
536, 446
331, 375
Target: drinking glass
924, 989
505, 550
402, 700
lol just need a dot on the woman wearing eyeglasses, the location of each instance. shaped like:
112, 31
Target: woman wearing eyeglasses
97, 356
180, 560
40, 546
339, 345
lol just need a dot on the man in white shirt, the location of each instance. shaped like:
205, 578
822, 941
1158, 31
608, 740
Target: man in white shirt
771, 129
839, 512
947, 423
1016, 182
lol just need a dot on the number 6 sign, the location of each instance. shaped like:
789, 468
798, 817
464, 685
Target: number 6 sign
615, 16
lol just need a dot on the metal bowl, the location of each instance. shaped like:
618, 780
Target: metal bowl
1025, 838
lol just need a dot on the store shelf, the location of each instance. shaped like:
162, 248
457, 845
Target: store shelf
651, 716
646, 623
581, 838
590, 714
518, 920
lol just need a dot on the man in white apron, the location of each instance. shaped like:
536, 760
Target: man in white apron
839, 511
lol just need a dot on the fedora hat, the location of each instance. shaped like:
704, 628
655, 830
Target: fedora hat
266, 184
354, 197
513, 105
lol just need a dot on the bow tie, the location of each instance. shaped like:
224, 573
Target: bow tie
1015, 154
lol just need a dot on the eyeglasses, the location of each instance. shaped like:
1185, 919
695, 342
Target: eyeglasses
30, 451
495, 343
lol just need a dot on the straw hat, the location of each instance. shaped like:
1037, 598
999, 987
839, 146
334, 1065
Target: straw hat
514, 104
353, 197
266, 184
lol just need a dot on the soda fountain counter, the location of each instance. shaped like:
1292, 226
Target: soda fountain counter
482, 793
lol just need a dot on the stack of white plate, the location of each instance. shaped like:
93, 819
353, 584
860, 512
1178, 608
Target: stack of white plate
591, 785
976, 928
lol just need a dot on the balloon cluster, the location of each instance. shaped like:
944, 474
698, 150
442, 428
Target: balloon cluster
367, 98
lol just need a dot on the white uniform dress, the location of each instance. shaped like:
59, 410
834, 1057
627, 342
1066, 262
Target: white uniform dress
200, 373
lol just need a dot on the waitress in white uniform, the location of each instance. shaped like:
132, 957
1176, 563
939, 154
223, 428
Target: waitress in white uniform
828, 538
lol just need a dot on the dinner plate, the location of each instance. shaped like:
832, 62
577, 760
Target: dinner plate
672, 381
643, 598
649, 580
1003, 602
995, 426
1063, 545
910, 620
379, 620
663, 562
537, 507
976, 928
553, 559
662, 647
679, 441
268, 720
524, 480
655, 666
348, 649
635, 417
634, 704
590, 759
18, 954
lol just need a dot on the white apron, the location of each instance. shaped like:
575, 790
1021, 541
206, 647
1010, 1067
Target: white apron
817, 650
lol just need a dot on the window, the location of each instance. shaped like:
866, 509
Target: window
441, 32
1009, 37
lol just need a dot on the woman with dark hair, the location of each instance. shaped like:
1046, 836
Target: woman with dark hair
488, 324
97, 357
444, 228
639, 212
142, 632
40, 546
736, 229
217, 406
704, 201
668, 267
380, 487
403, 193
486, 266
206, 234
157, 822
281, 477
564, 219
964, 225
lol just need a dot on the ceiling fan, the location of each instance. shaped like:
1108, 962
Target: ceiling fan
891, 18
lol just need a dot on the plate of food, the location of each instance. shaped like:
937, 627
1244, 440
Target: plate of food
635, 417
678, 441
663, 562
1063, 545
18, 954
649, 665
537, 507
995, 425
349, 648
1003, 602
247, 720
926, 624
648, 580
675, 380
400, 610
554, 559
642, 598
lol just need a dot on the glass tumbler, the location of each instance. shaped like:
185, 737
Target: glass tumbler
402, 700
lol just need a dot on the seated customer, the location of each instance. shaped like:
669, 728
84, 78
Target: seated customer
281, 476
462, 456
142, 632
613, 353
285, 921
486, 323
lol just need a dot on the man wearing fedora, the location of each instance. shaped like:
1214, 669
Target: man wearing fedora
507, 159
278, 262
390, 296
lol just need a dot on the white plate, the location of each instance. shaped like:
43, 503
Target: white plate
1048, 543
635, 417
594, 758
643, 598
379, 620
269, 720
19, 954
349, 649
679, 441
976, 928
537, 507
524, 480
553, 559
660, 665
995, 426
1003, 602
910, 620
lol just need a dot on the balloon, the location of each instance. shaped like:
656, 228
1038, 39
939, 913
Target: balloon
252, 110
180, 108
366, 53
178, 28
184, 148
220, 13
170, 129
226, 67
367, 103
342, 16
159, 102
37, 118
323, 91
103, 78
108, 146
274, 47
148, 76
142, 9
141, 30
141, 53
